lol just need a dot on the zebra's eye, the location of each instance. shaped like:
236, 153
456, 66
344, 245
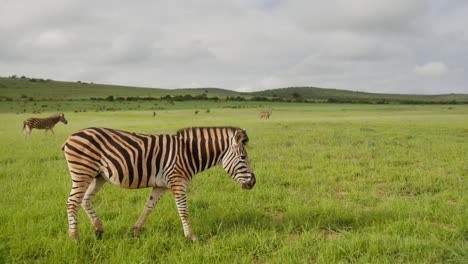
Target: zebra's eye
243, 156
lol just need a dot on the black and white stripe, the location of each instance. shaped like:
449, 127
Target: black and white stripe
162, 162
43, 123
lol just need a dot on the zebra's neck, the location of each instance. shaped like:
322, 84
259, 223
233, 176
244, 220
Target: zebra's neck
204, 148
55, 118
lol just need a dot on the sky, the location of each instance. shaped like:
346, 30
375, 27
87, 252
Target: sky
381, 46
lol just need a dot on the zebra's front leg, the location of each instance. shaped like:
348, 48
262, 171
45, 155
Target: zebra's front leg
47, 129
153, 199
93, 188
180, 198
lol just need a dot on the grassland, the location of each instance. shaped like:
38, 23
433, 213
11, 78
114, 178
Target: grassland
335, 184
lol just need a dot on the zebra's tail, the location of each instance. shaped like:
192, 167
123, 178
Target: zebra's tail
24, 125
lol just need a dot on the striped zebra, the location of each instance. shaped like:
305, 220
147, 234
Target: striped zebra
133, 160
43, 123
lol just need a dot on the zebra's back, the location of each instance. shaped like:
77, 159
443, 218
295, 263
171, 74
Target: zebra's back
39, 123
129, 160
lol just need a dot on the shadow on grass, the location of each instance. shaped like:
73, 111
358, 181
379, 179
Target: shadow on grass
300, 220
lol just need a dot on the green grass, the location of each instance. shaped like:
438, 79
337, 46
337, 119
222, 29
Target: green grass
335, 184
28, 107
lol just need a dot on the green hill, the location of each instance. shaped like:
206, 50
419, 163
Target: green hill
13, 89
344, 96
40, 89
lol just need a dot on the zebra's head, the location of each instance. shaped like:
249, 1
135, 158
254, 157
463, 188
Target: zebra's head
236, 163
62, 118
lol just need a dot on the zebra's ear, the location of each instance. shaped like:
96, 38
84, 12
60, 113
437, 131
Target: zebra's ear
241, 136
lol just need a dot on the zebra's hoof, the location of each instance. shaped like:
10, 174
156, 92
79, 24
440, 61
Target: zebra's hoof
193, 237
98, 234
136, 232
74, 236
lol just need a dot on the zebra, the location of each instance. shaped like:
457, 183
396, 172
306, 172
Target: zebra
266, 114
43, 123
162, 162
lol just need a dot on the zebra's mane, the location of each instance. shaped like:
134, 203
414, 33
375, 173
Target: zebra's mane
56, 115
183, 131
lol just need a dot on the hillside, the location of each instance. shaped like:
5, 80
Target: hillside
344, 96
41, 89
13, 89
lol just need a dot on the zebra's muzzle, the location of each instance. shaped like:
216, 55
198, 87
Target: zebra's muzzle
250, 183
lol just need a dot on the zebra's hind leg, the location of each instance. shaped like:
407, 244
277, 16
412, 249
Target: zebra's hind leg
79, 187
153, 199
93, 188
27, 131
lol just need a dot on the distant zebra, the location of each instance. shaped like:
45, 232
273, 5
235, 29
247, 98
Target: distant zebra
43, 123
266, 114
132, 160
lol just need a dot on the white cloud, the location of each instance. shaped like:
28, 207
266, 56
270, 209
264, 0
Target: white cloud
272, 81
431, 69
368, 45
192, 85
357, 15
52, 39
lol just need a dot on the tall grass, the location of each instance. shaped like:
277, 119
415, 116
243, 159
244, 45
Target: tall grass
335, 183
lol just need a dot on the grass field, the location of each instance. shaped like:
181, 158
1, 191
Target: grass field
335, 184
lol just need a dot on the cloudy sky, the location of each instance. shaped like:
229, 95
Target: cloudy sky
396, 46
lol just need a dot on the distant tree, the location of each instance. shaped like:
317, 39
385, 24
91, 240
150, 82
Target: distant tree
296, 95
239, 98
259, 98
200, 97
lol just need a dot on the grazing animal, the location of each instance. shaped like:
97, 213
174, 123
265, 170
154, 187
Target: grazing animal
266, 114
133, 161
43, 123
